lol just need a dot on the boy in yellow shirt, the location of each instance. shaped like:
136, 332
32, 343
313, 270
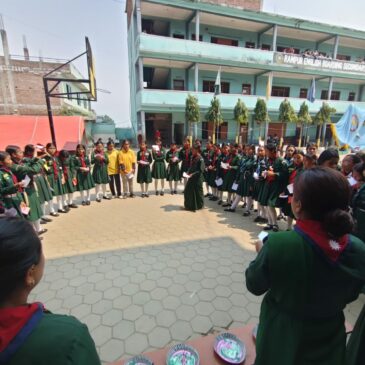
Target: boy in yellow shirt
127, 163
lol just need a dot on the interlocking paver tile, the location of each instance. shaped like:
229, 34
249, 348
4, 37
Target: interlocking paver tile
123, 329
112, 317
201, 324
180, 330
171, 302
112, 350
185, 312
220, 319
159, 337
136, 343
132, 312
101, 334
153, 307
145, 324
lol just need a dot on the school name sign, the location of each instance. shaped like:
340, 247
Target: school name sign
327, 64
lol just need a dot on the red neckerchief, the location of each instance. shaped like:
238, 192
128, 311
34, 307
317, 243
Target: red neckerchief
143, 155
215, 157
173, 152
82, 160
271, 162
187, 152
12, 321
14, 178
159, 151
55, 167
315, 233
65, 170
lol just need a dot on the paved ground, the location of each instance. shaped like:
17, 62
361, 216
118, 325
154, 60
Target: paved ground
143, 274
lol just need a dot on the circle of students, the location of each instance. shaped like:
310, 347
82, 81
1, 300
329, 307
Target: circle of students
261, 175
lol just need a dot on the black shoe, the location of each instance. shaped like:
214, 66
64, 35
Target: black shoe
83, 203
172, 192
43, 222
214, 199
54, 214
156, 192
258, 219
175, 191
66, 208
42, 231
275, 228
162, 193
146, 195
107, 197
72, 206
62, 211
206, 195
246, 214
230, 210
131, 195
98, 200
88, 202
45, 219
244, 205
220, 202
269, 227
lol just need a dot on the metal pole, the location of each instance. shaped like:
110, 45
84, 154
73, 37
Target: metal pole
196, 77
335, 47
49, 111
274, 37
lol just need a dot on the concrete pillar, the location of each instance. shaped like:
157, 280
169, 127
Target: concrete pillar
274, 37
330, 87
197, 25
140, 73
143, 124
335, 47
196, 79
361, 93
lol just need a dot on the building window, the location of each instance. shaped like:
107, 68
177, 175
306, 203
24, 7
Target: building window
208, 86
335, 95
280, 91
343, 57
68, 91
223, 131
266, 47
246, 89
224, 41
178, 36
290, 50
179, 85
78, 100
193, 37
147, 26
303, 93
205, 131
85, 104
250, 45
352, 96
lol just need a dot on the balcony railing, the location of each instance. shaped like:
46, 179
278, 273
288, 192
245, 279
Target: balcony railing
153, 46
172, 100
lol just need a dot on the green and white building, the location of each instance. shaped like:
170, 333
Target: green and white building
177, 47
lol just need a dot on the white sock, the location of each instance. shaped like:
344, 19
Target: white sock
103, 186
70, 198
82, 193
43, 207
146, 189
170, 184
236, 201
249, 203
37, 225
142, 188
50, 206
162, 185
175, 184
97, 189
64, 200
88, 193
59, 202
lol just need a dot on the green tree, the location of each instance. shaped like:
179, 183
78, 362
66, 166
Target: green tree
322, 118
240, 116
286, 115
106, 119
192, 112
260, 114
214, 115
304, 118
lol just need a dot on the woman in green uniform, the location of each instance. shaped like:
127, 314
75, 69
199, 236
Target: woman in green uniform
358, 202
69, 185
193, 193
212, 172
84, 179
30, 334
185, 156
159, 167
100, 160
173, 173
309, 275
248, 180
55, 176
11, 190
258, 187
28, 168
144, 160
232, 164
207, 155
276, 177
221, 172
43, 188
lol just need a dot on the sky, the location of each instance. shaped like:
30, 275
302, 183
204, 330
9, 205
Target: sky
58, 28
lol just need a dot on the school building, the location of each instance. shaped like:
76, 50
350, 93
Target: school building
177, 47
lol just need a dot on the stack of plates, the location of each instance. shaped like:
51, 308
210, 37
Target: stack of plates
230, 348
182, 354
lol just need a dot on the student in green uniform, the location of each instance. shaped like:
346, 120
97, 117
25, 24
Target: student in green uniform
43, 188
185, 156
11, 190
173, 173
248, 180
144, 161
276, 177
100, 172
84, 179
193, 193
55, 176
28, 168
358, 201
29, 333
212, 172
260, 167
221, 172
309, 275
309, 161
230, 174
69, 178
207, 155
329, 158
159, 167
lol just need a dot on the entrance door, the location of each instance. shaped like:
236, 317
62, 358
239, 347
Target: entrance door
158, 122
179, 133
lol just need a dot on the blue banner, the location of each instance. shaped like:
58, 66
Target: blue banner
351, 128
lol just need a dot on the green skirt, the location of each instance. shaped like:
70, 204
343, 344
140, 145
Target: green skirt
173, 173
43, 188
193, 193
212, 175
56, 185
258, 187
228, 181
68, 186
144, 175
14, 202
100, 174
35, 212
159, 170
270, 195
248, 183
84, 181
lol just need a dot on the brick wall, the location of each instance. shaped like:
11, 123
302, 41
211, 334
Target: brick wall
245, 4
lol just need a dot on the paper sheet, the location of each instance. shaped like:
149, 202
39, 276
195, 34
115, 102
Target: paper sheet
235, 186
352, 181
174, 159
26, 181
144, 162
262, 236
219, 182
255, 175
185, 175
130, 176
155, 147
224, 166
290, 188
25, 210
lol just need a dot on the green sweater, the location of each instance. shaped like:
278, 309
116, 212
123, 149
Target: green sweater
57, 340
